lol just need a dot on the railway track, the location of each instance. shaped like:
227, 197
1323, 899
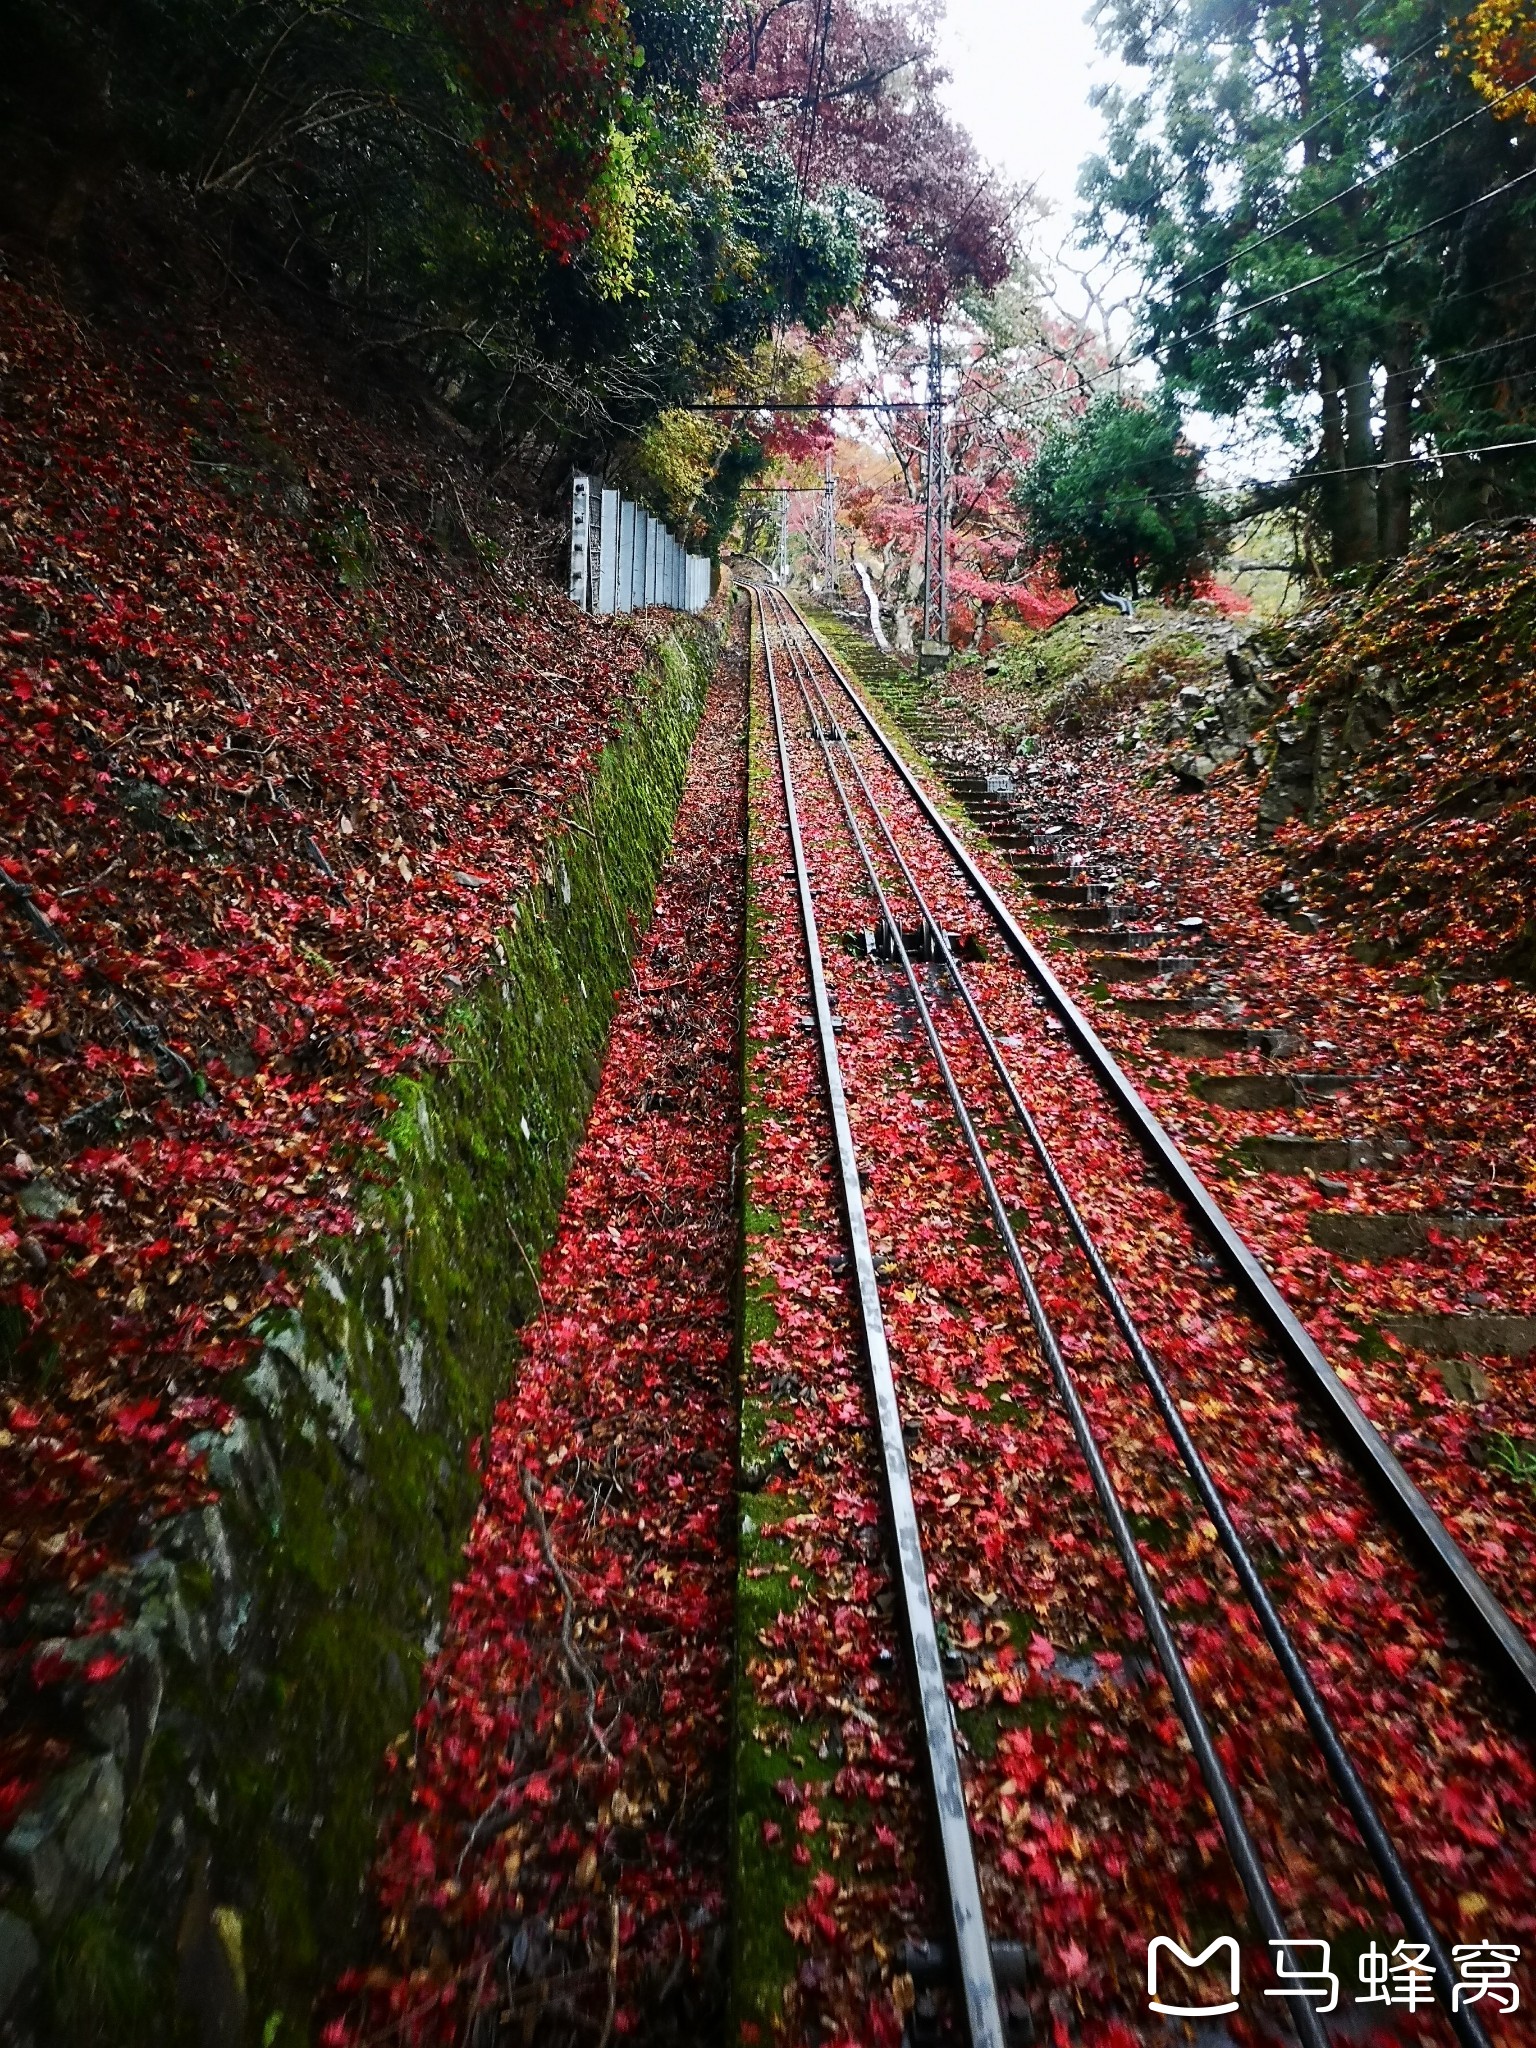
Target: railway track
875, 862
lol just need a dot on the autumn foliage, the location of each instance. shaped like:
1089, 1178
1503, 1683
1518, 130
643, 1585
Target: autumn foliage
281, 754
553, 73
1499, 40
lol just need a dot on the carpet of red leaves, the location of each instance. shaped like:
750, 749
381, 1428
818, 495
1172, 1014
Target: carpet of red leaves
1092, 1827
561, 1857
1429, 848
259, 827
1448, 1073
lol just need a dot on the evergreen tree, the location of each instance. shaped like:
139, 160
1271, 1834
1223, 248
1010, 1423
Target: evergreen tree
1275, 151
1112, 500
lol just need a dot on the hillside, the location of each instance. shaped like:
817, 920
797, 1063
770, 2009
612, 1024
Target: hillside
320, 803
1402, 777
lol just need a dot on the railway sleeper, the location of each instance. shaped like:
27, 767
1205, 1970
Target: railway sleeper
921, 943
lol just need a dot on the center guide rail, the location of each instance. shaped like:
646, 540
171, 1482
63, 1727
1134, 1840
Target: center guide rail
834, 744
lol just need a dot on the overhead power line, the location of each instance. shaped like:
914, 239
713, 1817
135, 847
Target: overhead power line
1356, 262
1360, 185
808, 405
1304, 479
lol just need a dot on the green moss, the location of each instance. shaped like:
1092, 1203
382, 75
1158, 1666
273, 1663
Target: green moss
346, 547
313, 1593
766, 1883
102, 1990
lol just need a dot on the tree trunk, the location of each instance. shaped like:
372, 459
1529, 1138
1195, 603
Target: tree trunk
1330, 460
1394, 495
1359, 455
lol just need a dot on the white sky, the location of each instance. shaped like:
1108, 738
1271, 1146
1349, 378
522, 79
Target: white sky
1021, 75
1022, 69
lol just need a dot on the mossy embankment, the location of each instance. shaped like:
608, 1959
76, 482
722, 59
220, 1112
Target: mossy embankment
270, 1642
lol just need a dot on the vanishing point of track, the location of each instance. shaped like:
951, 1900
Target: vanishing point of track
806, 683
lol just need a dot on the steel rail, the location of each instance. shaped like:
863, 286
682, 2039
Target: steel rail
1240, 1843
1504, 1645
973, 1953
1351, 1787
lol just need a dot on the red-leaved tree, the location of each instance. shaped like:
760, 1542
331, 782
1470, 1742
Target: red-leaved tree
554, 73
848, 90
1011, 369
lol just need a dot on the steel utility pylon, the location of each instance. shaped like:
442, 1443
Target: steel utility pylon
829, 528
935, 550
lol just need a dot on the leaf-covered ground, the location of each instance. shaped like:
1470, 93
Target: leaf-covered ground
1427, 688
1092, 1827
560, 1863
284, 734
1441, 1074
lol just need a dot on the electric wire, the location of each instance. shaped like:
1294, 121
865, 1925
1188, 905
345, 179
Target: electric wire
1284, 227
1357, 261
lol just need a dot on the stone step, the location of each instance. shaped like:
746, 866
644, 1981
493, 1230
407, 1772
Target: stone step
1133, 967
1068, 892
1269, 1091
1395, 1235
1086, 917
1284, 1153
1150, 1008
1471, 1334
1110, 939
1203, 1041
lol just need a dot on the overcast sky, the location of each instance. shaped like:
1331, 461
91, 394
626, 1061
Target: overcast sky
1022, 70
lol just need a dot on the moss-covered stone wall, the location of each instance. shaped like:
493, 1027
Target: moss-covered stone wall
272, 1643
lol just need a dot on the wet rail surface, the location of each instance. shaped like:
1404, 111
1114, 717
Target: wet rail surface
926, 1054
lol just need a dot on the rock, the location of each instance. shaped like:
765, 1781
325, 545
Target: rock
45, 1201
65, 1843
19, 1958
1296, 773
1246, 674
1464, 1380
1192, 771
91, 1840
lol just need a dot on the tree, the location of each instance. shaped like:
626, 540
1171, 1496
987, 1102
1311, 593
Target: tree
1010, 368
571, 218
1113, 500
847, 90
1306, 184
1499, 37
